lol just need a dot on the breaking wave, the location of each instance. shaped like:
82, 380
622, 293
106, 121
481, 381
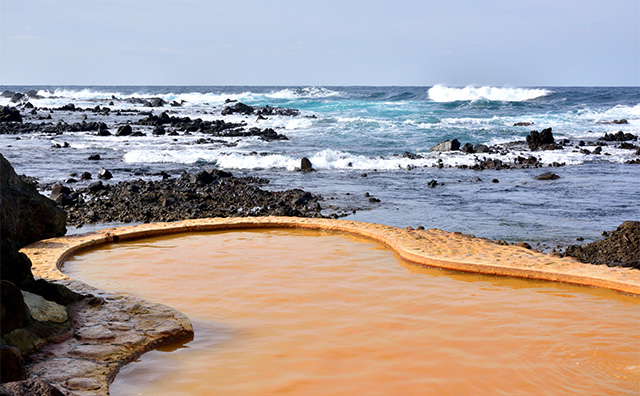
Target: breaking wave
440, 93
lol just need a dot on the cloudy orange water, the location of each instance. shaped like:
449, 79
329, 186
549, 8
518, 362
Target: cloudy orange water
316, 313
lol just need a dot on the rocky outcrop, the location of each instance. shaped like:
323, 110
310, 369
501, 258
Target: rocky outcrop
29, 388
213, 193
542, 140
621, 247
618, 137
26, 215
447, 145
10, 114
241, 108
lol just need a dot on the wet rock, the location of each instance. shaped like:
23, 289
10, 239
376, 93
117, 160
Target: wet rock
19, 98
104, 174
94, 157
495, 181
481, 148
467, 148
411, 156
447, 145
239, 107
158, 130
524, 123
618, 137
620, 247
10, 114
305, 165
96, 186
432, 183
547, 176
68, 107
522, 244
124, 130
11, 366
155, 102
85, 176
542, 140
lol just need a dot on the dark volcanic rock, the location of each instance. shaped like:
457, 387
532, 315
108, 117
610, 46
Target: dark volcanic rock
10, 114
620, 248
447, 145
237, 108
467, 148
618, 137
547, 176
542, 140
14, 313
305, 165
15, 267
104, 174
11, 364
219, 194
26, 215
124, 130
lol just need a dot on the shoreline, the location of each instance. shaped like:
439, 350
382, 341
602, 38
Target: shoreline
111, 330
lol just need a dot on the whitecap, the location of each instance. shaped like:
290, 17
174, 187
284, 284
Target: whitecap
440, 93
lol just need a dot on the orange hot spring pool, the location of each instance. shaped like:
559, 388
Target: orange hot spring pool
299, 312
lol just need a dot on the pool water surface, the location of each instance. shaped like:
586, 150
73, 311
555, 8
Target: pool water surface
316, 313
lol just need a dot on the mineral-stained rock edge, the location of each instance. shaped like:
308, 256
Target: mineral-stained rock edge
101, 344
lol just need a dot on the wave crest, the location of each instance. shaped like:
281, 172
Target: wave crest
440, 93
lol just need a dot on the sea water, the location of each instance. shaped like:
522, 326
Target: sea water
355, 138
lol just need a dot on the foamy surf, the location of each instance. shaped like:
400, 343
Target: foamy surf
441, 93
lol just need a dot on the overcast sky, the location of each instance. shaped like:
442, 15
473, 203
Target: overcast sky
345, 42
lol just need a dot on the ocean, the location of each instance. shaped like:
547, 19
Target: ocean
372, 142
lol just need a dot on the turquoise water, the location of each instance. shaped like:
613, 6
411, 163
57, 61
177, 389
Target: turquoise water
347, 132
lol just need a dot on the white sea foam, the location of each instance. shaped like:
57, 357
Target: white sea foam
440, 93
303, 93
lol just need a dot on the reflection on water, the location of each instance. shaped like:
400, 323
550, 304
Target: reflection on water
315, 313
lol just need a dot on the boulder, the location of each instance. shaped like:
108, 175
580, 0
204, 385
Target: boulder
238, 108
27, 216
467, 148
124, 130
19, 98
14, 313
11, 366
159, 130
15, 267
542, 140
524, 123
447, 145
547, 176
305, 165
155, 102
94, 157
104, 174
481, 148
10, 114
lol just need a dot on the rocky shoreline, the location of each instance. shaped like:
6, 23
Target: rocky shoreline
46, 326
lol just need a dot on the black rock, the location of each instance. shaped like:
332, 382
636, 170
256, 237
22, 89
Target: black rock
68, 107
238, 108
85, 176
15, 313
10, 114
447, 145
155, 102
618, 137
104, 174
467, 148
19, 98
124, 130
524, 123
547, 176
159, 130
542, 140
202, 178
432, 183
11, 362
94, 157
305, 165
481, 148
96, 186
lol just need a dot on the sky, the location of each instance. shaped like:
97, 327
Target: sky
328, 43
